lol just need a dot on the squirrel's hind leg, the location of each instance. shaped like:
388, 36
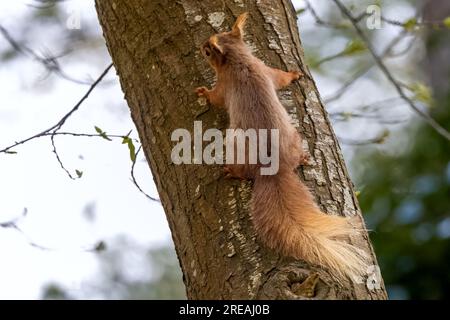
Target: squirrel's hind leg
299, 157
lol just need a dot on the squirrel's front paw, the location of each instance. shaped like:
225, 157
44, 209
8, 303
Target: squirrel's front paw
296, 75
201, 91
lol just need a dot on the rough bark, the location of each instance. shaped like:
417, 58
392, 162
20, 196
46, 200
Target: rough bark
154, 47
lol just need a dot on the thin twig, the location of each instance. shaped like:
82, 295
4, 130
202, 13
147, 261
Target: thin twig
381, 138
14, 224
370, 111
52, 138
361, 72
341, 91
49, 61
345, 116
320, 21
53, 129
135, 181
364, 14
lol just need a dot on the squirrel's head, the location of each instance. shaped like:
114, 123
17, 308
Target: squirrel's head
219, 46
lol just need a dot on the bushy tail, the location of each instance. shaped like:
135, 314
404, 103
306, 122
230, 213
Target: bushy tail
287, 219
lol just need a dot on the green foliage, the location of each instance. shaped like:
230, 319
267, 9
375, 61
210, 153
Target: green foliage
406, 202
410, 24
54, 291
49, 13
447, 22
355, 46
79, 173
129, 142
422, 93
8, 55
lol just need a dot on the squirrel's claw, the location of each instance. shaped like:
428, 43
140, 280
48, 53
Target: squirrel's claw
201, 91
296, 75
227, 172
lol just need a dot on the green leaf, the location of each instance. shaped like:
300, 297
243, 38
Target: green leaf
347, 115
102, 133
99, 131
79, 173
300, 11
8, 55
410, 24
422, 93
447, 22
132, 150
357, 193
354, 47
128, 141
100, 246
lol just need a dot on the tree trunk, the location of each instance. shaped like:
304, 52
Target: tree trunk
155, 49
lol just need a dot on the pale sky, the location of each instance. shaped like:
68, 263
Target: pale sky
32, 179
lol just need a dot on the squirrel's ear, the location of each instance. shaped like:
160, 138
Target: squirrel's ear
214, 41
238, 28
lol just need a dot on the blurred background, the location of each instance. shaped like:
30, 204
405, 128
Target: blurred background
99, 237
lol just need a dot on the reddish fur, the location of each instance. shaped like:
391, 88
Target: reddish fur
284, 213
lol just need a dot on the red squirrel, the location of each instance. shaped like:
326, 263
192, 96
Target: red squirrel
283, 210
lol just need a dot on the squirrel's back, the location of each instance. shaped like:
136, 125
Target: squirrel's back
252, 103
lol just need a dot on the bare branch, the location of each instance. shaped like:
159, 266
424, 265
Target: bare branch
345, 116
386, 52
433, 123
52, 138
53, 129
14, 224
340, 25
320, 21
88, 135
343, 89
48, 60
381, 138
